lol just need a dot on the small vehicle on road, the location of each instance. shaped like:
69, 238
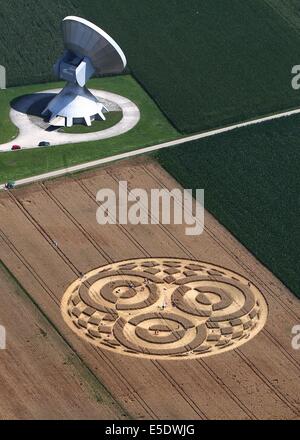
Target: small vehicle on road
16, 147
10, 185
44, 144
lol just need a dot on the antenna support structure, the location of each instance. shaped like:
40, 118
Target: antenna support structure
88, 51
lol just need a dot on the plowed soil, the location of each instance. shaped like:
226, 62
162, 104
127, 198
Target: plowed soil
41, 376
49, 237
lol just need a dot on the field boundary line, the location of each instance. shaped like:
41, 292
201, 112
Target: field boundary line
95, 163
65, 341
249, 363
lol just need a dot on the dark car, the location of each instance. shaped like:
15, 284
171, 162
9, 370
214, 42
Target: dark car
44, 144
15, 147
10, 185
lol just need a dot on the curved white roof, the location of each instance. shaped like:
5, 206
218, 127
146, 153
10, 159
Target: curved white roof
86, 39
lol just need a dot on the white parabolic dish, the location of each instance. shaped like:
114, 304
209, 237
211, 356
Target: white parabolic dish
84, 38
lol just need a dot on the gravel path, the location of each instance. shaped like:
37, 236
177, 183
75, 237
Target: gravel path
30, 134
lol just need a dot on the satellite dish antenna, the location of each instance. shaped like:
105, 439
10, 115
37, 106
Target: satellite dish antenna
88, 51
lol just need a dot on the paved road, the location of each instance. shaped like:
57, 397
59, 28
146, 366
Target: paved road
95, 163
30, 134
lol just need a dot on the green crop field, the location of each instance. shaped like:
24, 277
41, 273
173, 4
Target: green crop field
206, 63
289, 11
153, 128
252, 186
30, 38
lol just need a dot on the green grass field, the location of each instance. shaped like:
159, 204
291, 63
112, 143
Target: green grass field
30, 38
252, 186
206, 63
153, 128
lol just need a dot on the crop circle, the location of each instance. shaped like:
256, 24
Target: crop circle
164, 308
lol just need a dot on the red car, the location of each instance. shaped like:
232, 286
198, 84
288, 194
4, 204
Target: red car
15, 147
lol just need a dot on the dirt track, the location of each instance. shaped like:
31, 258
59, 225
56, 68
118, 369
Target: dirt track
260, 379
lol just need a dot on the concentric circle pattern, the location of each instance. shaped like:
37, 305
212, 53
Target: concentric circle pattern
164, 308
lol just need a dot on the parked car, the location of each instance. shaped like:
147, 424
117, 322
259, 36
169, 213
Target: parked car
10, 185
44, 144
15, 147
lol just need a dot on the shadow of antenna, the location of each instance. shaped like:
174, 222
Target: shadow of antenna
2, 78
2, 338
